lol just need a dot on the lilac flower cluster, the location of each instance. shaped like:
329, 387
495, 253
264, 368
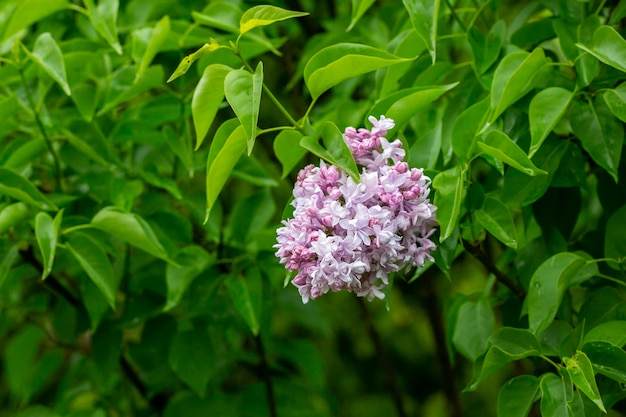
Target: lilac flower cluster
349, 236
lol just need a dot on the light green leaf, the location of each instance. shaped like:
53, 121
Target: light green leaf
104, 19
186, 62
547, 286
501, 147
243, 92
546, 109
517, 395
94, 260
607, 359
613, 332
18, 187
207, 97
514, 78
337, 63
359, 7
193, 260
600, 133
220, 164
12, 215
424, 15
553, 396
287, 149
497, 219
47, 54
130, 228
608, 46
450, 188
28, 12
193, 358
402, 105
475, 324
47, 233
265, 15
616, 100
246, 294
580, 370
6, 261
157, 37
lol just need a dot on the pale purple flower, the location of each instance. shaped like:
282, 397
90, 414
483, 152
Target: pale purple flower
349, 236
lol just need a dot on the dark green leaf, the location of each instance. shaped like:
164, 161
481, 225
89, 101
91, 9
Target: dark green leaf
265, 15
517, 395
207, 97
613, 332
553, 396
547, 286
192, 357
193, 260
18, 187
424, 15
246, 294
615, 237
243, 92
96, 264
475, 324
337, 63
616, 100
607, 359
497, 219
498, 145
485, 49
6, 262
47, 233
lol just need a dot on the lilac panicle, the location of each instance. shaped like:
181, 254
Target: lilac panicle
349, 236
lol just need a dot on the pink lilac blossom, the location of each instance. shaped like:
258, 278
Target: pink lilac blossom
349, 236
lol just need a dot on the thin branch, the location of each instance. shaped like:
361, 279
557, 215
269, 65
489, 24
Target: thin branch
384, 358
478, 253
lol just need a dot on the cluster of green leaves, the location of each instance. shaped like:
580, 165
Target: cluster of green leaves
140, 197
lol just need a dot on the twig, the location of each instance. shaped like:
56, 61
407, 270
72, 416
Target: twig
477, 252
384, 358
267, 376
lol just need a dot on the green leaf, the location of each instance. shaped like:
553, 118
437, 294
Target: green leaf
207, 97
158, 35
130, 228
47, 233
337, 63
600, 133
246, 294
466, 127
288, 150
513, 78
497, 219
186, 62
475, 324
193, 358
485, 49
517, 395
12, 215
220, 164
18, 187
47, 54
546, 109
28, 12
607, 359
123, 87
359, 7
249, 215
402, 105
608, 46
339, 150
181, 146
498, 145
553, 396
85, 148
424, 15
450, 188
265, 15
193, 260
580, 370
6, 261
19, 356
94, 260
547, 286
616, 100
243, 92
613, 332
104, 19
615, 237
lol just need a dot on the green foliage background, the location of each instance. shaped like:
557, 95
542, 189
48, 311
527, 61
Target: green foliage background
148, 151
